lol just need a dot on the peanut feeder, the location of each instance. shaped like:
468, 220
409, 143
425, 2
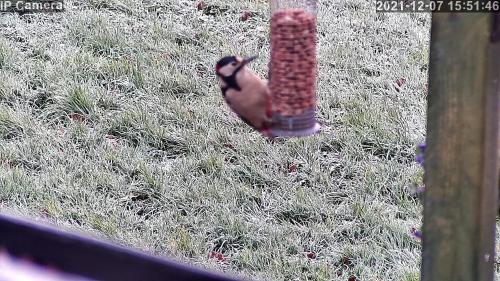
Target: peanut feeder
293, 68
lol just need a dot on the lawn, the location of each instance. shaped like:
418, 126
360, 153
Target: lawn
112, 124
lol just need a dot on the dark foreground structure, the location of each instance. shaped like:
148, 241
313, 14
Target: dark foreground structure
88, 258
461, 164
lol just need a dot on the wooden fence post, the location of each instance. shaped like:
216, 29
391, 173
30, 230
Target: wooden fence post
461, 160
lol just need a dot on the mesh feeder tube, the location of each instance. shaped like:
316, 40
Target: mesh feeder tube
293, 68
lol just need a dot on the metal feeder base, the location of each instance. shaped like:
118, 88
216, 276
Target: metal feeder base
301, 125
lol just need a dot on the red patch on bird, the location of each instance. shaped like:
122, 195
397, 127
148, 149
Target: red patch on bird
245, 15
269, 109
217, 256
352, 278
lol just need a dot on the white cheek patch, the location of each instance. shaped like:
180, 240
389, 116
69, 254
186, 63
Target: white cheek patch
226, 71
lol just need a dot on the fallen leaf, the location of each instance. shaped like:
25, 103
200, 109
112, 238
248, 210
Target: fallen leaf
311, 255
346, 261
401, 81
201, 5
245, 15
292, 168
217, 256
230, 146
76, 117
45, 213
112, 140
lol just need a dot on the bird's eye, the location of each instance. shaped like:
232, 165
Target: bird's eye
234, 63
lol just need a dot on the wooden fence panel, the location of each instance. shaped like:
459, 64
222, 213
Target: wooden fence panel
462, 145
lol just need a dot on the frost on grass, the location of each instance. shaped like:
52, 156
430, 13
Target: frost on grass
139, 127
111, 121
10, 126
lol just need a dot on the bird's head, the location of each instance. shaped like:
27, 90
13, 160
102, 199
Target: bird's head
230, 65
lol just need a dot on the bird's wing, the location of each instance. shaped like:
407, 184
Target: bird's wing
250, 107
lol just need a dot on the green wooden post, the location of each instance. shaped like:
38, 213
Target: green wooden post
462, 145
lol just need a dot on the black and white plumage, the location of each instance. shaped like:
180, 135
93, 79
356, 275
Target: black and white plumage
245, 93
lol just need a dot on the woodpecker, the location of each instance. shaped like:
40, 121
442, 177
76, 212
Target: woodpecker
245, 93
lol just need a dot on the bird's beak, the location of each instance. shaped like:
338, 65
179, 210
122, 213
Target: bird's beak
249, 59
